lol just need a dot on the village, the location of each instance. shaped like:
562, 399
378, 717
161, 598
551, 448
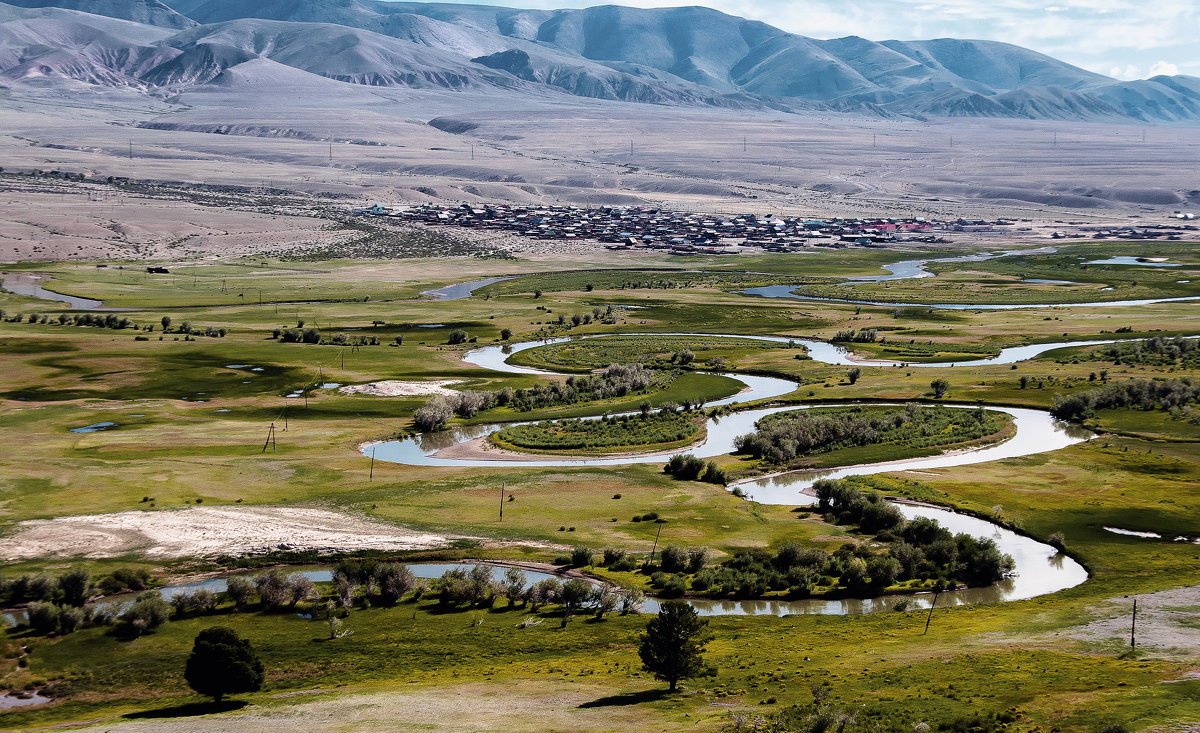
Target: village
687, 233
681, 232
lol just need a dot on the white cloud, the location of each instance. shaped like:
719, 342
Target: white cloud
1164, 68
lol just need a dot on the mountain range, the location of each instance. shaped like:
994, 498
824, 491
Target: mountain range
690, 56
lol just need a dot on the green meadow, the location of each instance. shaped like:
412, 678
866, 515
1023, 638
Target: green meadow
191, 414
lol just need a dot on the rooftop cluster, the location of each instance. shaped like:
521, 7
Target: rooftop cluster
678, 231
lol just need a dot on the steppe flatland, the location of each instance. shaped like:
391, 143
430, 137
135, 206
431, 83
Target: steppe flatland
900, 397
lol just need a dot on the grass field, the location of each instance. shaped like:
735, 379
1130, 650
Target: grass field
1011, 280
191, 417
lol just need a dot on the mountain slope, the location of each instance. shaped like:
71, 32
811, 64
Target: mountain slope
671, 56
44, 49
149, 12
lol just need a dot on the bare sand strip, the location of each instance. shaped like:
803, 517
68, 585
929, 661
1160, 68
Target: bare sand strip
207, 531
398, 388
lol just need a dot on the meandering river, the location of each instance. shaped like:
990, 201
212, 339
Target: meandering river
1040, 568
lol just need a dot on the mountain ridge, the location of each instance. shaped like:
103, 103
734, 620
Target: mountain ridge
691, 56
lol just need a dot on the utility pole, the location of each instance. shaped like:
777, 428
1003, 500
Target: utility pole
131, 149
1133, 627
371, 477
501, 501
285, 418
743, 143
270, 439
930, 616
655, 547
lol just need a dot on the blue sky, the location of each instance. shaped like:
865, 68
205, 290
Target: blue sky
1128, 39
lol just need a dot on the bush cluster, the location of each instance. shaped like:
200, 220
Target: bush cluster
688, 467
618, 380
1157, 351
919, 549
784, 437
1137, 394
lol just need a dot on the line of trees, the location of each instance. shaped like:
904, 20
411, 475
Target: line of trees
851, 335
784, 437
1157, 351
110, 321
75, 587
918, 549
618, 380
1136, 394
313, 336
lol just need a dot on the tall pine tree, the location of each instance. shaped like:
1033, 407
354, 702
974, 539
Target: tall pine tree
673, 646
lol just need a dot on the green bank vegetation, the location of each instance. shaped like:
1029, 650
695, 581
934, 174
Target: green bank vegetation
615, 434
786, 437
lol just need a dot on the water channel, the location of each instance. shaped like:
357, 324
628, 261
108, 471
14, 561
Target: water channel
1040, 568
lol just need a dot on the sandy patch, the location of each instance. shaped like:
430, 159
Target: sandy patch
208, 531
398, 388
1168, 623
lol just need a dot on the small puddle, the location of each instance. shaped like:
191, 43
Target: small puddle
462, 290
94, 427
1134, 533
1128, 260
23, 699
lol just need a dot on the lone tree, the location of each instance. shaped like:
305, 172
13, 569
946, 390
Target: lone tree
940, 387
222, 663
672, 648
853, 375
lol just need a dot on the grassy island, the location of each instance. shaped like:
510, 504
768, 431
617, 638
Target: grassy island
618, 434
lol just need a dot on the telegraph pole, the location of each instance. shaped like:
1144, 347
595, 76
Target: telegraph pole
1133, 627
270, 439
930, 616
371, 477
501, 501
655, 547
